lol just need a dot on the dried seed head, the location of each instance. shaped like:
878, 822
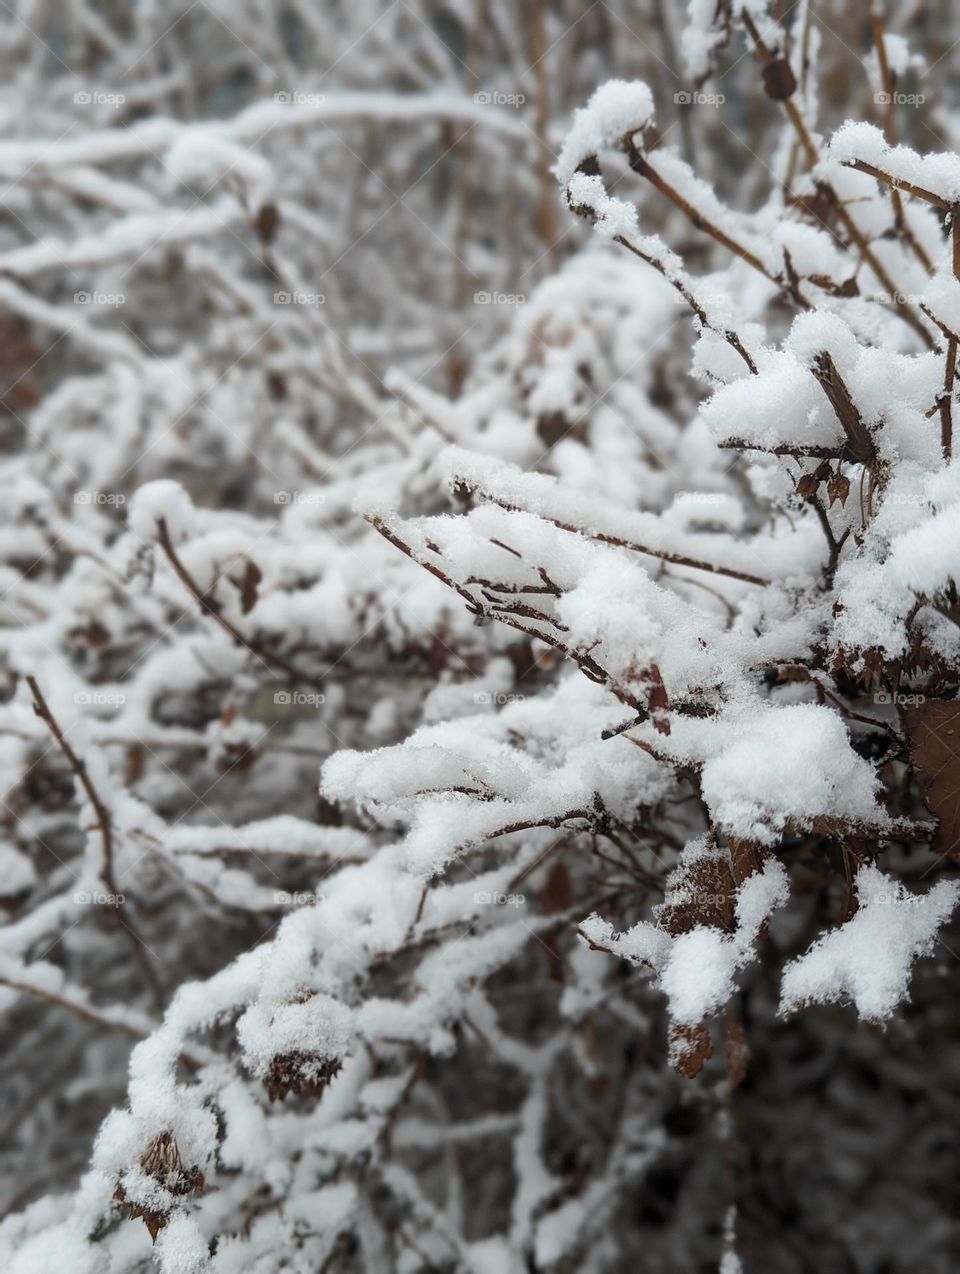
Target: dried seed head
161, 1161
305, 1074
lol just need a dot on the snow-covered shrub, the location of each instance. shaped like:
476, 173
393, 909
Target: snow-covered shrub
630, 676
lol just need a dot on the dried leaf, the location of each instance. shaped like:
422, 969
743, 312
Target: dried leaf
557, 892
268, 219
690, 1047
736, 1048
702, 896
779, 81
933, 728
838, 488
248, 585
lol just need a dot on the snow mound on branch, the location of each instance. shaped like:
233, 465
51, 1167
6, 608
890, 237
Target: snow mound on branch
166, 500
318, 1025
617, 108
868, 959
866, 143
791, 764
199, 159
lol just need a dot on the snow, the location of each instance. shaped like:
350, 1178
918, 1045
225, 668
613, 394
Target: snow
161, 500
535, 633
789, 765
316, 1025
938, 173
869, 959
617, 109
696, 969
180, 1247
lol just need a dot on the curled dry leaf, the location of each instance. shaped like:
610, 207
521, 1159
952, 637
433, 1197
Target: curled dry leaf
933, 728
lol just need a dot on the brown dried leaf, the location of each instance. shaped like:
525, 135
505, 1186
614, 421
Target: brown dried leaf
557, 892
690, 1047
702, 896
736, 1048
268, 219
838, 488
779, 81
248, 585
933, 728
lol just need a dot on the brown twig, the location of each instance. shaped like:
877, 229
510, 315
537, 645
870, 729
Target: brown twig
950, 369
859, 439
104, 826
87, 1013
875, 18
675, 559
212, 608
729, 336
867, 254
584, 661
898, 183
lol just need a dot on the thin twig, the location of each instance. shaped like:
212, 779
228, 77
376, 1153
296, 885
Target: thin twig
104, 826
212, 608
